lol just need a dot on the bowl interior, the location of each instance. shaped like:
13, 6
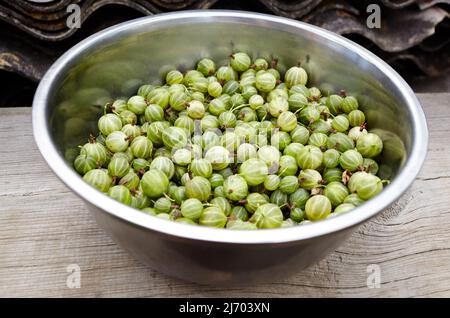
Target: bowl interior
120, 63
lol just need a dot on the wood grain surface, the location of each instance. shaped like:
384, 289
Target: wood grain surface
44, 228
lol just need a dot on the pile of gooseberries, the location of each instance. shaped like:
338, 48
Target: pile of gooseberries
238, 146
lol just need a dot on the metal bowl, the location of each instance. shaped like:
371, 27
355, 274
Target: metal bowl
116, 61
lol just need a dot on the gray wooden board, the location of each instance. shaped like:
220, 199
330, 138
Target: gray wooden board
44, 228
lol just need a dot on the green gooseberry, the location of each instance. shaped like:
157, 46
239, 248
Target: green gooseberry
256, 101
295, 75
300, 135
162, 205
247, 114
117, 141
277, 106
289, 184
223, 204
267, 216
309, 179
308, 115
298, 198
297, 214
214, 89
226, 73
206, 66
235, 188
246, 151
120, 193
279, 198
332, 174
368, 187
355, 178
292, 149
288, 166
178, 100
128, 117
132, 131
297, 101
213, 217
201, 167
159, 96
336, 192
216, 180
155, 131
218, 192
248, 91
185, 221
96, 151
254, 171
141, 147
356, 132
191, 208
369, 145
331, 158
240, 61
182, 157
317, 207
356, 118
340, 123
265, 82
174, 137
340, 141
130, 180
163, 164
118, 167
348, 104
239, 212
199, 188
280, 140
354, 199
351, 160
319, 140
109, 123
334, 103
149, 210
209, 122
140, 165
240, 225
287, 121
154, 183
208, 140
321, 126
253, 201
84, 163
310, 157
174, 77
231, 87
272, 182
344, 207
370, 166
119, 105
137, 104
98, 178
179, 194
218, 156
271, 156
260, 64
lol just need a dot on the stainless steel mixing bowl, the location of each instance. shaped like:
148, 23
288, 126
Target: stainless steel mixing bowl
116, 61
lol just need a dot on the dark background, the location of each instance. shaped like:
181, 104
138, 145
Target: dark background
414, 36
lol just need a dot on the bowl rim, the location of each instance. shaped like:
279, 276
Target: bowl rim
96, 198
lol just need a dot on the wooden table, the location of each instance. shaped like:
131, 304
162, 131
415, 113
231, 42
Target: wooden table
44, 228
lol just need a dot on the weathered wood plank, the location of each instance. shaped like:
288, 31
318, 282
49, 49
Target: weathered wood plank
44, 227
